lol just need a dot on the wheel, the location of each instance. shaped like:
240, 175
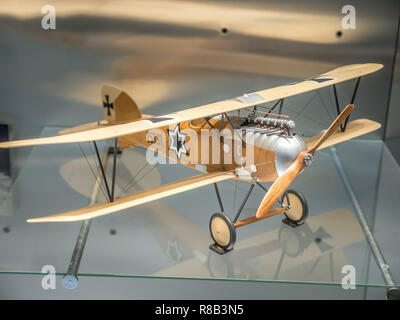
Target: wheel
222, 231
298, 209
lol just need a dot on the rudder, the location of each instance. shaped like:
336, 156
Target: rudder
118, 106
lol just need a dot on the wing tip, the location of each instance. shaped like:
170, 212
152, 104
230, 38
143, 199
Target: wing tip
53, 219
36, 220
5, 145
377, 66
17, 143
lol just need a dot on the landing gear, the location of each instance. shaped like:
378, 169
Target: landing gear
223, 229
223, 232
296, 208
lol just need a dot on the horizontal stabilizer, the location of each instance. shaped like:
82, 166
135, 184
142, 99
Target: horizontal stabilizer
354, 129
97, 125
137, 198
84, 127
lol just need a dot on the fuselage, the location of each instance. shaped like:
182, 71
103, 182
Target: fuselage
259, 148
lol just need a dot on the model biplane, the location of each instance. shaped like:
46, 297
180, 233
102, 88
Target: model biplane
199, 138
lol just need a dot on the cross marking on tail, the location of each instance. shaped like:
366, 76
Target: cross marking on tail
108, 105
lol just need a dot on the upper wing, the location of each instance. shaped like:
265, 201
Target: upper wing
247, 100
354, 129
137, 198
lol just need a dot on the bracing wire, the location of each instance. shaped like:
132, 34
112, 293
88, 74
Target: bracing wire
128, 185
325, 106
137, 181
307, 117
301, 113
305, 107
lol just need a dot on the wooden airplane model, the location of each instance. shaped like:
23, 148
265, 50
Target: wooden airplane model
255, 147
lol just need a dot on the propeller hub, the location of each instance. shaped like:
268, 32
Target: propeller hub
308, 159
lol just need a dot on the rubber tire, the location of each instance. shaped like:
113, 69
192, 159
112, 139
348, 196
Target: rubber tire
230, 228
304, 205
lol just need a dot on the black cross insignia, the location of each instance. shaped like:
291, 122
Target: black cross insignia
320, 80
108, 105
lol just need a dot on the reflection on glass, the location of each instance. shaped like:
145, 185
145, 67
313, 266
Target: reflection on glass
170, 238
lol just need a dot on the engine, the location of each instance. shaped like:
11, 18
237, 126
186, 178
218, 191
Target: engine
276, 135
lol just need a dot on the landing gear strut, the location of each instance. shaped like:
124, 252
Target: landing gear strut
223, 229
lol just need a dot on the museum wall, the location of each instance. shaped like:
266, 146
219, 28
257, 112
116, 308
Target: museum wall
182, 54
393, 127
392, 134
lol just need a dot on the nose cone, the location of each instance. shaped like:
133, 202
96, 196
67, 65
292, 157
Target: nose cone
287, 150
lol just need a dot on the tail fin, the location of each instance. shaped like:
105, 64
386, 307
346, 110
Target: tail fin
117, 105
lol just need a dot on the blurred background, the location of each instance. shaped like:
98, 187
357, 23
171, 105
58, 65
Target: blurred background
174, 54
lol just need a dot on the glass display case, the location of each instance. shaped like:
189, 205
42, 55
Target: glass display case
349, 190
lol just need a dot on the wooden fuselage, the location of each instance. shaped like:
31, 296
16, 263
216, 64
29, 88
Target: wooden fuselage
208, 151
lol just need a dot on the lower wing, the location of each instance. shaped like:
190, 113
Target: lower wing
354, 129
137, 198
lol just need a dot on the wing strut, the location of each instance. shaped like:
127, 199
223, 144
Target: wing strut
281, 107
218, 197
114, 169
111, 193
352, 100
102, 170
353, 97
274, 106
243, 203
